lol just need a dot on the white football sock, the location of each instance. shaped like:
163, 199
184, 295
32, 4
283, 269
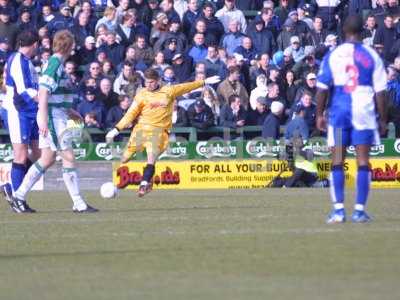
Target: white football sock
32, 176
71, 181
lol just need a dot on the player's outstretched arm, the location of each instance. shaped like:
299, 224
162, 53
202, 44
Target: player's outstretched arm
183, 88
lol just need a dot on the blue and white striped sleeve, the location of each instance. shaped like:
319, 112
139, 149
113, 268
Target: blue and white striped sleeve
21, 73
324, 78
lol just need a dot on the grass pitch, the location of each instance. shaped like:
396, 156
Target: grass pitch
242, 244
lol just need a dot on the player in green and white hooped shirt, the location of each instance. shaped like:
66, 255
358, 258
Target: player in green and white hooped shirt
55, 109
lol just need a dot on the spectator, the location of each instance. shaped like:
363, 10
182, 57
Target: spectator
301, 28
9, 6
180, 7
302, 11
257, 116
106, 95
128, 82
94, 72
282, 11
170, 50
190, 16
160, 27
296, 50
394, 99
125, 32
283, 40
263, 39
167, 7
233, 114
143, 52
274, 95
328, 12
230, 13
101, 35
310, 86
308, 63
159, 63
200, 115
200, 26
117, 111
121, 10
130, 56
182, 67
259, 91
290, 88
145, 11
92, 105
25, 21
316, 37
213, 25
172, 32
214, 66
309, 109
5, 51
107, 70
272, 123
232, 86
247, 50
261, 68
113, 50
87, 53
297, 126
168, 77
179, 116
198, 51
232, 39
368, 34
90, 120
62, 20
109, 19
210, 97
8, 30
86, 7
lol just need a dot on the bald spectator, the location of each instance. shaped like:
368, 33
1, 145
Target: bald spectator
272, 123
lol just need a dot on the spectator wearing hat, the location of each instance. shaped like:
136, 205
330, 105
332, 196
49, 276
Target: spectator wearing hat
272, 123
117, 111
190, 16
87, 53
62, 20
282, 11
92, 105
81, 29
316, 36
198, 51
173, 31
167, 7
309, 85
233, 114
232, 39
200, 26
232, 86
283, 40
296, 49
247, 50
300, 27
213, 24
308, 63
257, 116
229, 13
214, 65
306, 101
260, 90
263, 39
297, 126
8, 29
170, 50
200, 115
114, 51
182, 67
106, 95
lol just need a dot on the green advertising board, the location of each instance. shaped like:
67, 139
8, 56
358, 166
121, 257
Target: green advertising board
212, 149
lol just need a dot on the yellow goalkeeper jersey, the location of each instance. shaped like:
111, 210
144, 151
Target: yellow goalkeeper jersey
154, 109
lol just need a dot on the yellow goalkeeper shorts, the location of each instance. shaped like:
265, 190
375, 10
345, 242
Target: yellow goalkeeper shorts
154, 140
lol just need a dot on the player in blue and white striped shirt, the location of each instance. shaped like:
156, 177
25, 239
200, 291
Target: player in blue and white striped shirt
354, 76
21, 105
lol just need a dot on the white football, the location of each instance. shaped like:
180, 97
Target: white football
108, 190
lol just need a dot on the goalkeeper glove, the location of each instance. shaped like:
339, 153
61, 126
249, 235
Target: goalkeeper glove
111, 135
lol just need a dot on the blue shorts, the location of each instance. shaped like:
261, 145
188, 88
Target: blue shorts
352, 137
23, 128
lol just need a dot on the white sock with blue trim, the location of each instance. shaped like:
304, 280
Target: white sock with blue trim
71, 181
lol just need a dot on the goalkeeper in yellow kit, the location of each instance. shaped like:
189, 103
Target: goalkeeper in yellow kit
152, 108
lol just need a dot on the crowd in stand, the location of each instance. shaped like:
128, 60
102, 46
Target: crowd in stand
268, 64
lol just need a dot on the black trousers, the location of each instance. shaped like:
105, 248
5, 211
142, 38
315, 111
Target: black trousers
301, 178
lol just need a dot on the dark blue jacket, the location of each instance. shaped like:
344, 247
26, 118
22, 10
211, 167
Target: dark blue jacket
248, 54
94, 106
60, 22
271, 127
114, 115
228, 119
115, 53
297, 127
263, 41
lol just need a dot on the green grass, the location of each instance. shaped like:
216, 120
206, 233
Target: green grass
250, 244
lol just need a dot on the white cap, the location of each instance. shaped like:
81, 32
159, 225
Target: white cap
276, 107
294, 39
330, 38
238, 57
311, 76
90, 39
